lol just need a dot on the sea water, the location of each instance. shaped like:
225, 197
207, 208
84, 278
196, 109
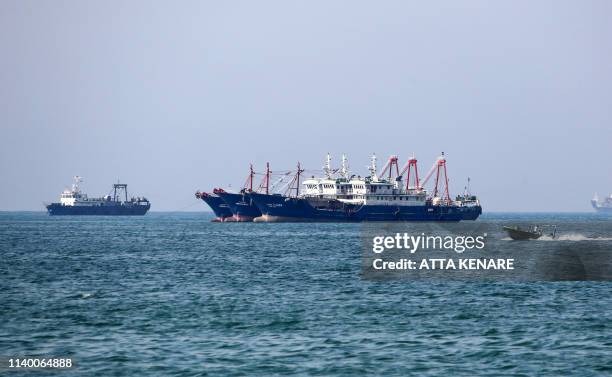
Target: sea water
172, 294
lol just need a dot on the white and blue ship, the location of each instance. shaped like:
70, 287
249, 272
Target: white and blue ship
74, 202
602, 206
338, 196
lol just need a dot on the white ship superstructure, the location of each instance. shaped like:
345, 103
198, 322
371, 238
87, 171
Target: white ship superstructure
339, 185
604, 205
75, 197
392, 190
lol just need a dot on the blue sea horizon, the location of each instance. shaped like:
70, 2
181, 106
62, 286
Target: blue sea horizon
173, 294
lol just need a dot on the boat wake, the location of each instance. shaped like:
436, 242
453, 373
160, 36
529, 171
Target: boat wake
566, 237
574, 237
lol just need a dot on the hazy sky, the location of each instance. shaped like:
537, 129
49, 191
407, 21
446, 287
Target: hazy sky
171, 97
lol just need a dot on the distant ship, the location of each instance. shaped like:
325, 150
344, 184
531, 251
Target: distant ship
604, 206
75, 202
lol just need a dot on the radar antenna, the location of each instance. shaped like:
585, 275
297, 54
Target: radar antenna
327, 168
75, 185
373, 168
345, 169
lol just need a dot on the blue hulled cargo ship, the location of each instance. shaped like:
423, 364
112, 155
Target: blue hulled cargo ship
75, 202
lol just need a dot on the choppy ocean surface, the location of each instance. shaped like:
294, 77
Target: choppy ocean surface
171, 294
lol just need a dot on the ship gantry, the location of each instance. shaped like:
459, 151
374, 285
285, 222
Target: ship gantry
336, 195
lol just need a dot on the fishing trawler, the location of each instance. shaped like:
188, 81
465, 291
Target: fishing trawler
346, 197
74, 202
242, 206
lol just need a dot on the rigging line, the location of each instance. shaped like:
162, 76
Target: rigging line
276, 172
187, 206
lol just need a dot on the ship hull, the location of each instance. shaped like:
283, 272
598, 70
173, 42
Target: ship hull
521, 235
222, 211
57, 209
279, 208
242, 206
607, 210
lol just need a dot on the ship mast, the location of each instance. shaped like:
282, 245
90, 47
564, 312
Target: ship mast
267, 177
294, 181
75, 185
327, 168
373, 168
344, 171
297, 177
249, 181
